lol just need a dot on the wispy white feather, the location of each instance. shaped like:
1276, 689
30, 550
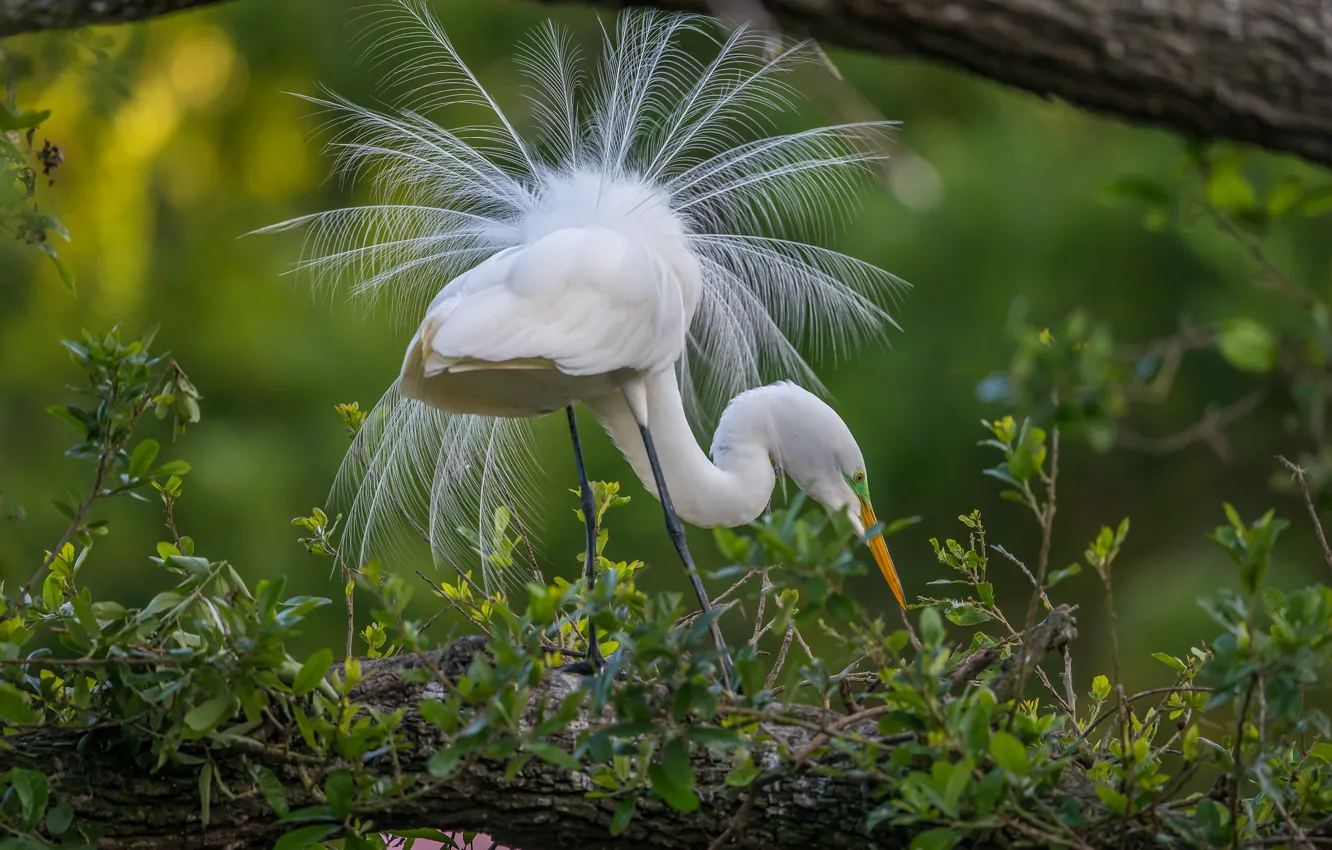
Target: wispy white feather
676, 135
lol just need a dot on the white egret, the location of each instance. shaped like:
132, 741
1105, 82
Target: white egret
622, 257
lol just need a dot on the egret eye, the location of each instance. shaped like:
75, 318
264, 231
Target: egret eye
860, 477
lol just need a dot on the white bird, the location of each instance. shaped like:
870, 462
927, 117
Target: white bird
620, 258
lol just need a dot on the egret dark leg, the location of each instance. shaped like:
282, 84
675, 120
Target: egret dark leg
676, 532
594, 658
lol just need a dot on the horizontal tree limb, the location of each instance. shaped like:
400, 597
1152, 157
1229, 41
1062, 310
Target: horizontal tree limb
17, 16
792, 805
1252, 71
1257, 71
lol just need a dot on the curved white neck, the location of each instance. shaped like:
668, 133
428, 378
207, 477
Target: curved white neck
730, 492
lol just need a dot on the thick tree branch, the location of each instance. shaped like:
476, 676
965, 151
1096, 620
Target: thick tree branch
1253, 71
18, 16
791, 806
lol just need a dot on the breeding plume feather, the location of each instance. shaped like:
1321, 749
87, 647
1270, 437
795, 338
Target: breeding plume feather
659, 161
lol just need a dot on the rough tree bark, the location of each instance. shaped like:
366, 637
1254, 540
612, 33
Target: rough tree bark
18, 16
544, 807
1253, 71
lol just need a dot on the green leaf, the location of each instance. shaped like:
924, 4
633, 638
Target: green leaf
33, 789
58, 820
1322, 752
986, 590
966, 615
14, 705
305, 836
83, 612
680, 799
1139, 188
931, 627
675, 761
1170, 661
1114, 800
557, 756
272, 789
744, 774
624, 813
340, 793
958, 781
1228, 189
936, 839
171, 467
1317, 202
22, 119
313, 671
1284, 196
205, 793
144, 455
444, 762
62, 269
1009, 753
1100, 688
206, 716
1247, 345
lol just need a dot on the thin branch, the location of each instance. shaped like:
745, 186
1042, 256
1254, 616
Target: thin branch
1298, 474
1021, 566
1209, 429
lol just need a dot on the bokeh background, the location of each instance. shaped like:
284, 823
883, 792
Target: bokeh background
184, 140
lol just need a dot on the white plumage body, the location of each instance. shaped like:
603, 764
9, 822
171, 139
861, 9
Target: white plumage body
536, 328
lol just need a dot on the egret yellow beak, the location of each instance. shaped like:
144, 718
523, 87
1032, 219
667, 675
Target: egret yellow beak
880, 551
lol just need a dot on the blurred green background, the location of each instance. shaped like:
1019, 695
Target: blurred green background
184, 141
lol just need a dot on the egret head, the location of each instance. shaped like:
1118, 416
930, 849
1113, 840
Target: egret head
811, 443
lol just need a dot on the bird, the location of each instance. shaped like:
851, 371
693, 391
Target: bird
647, 251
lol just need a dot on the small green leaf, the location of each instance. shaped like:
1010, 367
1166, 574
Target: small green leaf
313, 671
205, 793
272, 789
624, 813
1317, 202
1284, 196
305, 836
58, 820
1170, 661
1114, 800
1228, 189
1247, 345
986, 591
931, 627
557, 756
206, 716
1009, 753
936, 839
1100, 688
33, 789
680, 799
22, 119
444, 762
340, 793
144, 455
171, 467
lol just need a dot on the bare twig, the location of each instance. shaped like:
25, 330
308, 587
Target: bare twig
1210, 429
1021, 566
1298, 474
781, 656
